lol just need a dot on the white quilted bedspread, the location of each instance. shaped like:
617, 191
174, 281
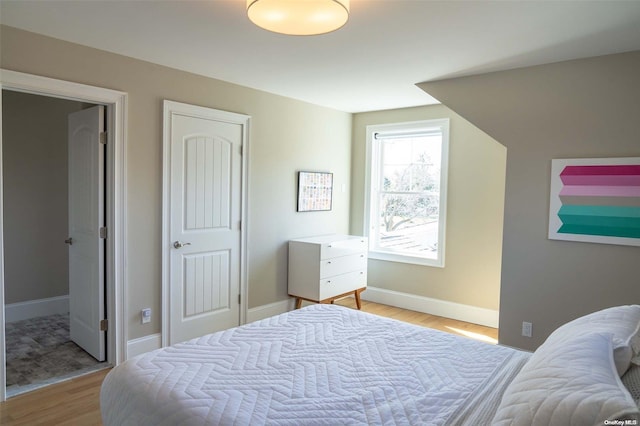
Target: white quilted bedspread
323, 364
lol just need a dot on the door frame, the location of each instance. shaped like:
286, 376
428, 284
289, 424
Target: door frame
116, 104
170, 108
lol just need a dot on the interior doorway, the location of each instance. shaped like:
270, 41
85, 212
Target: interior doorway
53, 183
115, 103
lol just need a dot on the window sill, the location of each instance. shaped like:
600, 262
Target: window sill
403, 258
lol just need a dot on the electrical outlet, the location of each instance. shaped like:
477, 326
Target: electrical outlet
527, 329
146, 315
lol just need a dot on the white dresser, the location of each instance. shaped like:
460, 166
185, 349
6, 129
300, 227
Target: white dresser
327, 267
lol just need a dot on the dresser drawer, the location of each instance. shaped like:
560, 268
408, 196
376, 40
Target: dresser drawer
343, 248
344, 283
342, 265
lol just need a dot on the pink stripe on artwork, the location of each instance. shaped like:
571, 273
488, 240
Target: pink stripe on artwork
602, 175
601, 180
600, 191
613, 169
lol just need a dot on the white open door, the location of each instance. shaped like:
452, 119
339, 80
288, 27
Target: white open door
204, 231
86, 218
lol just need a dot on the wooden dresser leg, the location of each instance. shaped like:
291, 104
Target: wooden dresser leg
357, 294
298, 303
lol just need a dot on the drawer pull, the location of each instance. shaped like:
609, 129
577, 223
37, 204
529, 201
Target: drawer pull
329, 263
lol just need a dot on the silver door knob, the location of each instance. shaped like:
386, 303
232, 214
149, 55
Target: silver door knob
179, 244
68, 241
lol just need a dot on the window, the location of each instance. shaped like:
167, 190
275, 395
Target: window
406, 191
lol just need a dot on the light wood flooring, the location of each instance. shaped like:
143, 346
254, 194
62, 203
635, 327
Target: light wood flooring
76, 401
474, 331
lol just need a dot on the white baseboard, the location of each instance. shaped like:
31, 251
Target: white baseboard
269, 310
36, 308
427, 305
143, 345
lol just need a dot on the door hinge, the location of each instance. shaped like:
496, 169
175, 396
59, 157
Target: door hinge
239, 298
104, 325
103, 232
239, 225
103, 138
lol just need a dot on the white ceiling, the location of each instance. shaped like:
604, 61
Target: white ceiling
372, 63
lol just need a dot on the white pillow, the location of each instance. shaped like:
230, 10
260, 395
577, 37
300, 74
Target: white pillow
622, 321
575, 383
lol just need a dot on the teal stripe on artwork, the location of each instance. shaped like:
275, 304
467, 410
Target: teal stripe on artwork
600, 220
589, 211
604, 231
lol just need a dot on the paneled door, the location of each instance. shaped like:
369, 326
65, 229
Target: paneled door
86, 218
205, 186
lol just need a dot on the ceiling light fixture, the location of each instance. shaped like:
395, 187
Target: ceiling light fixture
298, 17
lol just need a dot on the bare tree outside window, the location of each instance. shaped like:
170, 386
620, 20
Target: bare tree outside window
406, 208
409, 200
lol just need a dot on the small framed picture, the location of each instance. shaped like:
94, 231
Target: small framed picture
314, 191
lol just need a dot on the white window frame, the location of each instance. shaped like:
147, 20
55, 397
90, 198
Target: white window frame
372, 174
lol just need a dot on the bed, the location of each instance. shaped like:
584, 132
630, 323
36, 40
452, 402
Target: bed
328, 364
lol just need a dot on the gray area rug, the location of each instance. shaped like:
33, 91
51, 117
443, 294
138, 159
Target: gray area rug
40, 352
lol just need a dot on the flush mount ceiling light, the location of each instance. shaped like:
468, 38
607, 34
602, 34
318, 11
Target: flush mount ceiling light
298, 17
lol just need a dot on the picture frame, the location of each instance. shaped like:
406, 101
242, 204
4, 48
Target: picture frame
315, 191
595, 200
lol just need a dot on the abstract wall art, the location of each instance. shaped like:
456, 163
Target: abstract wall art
595, 200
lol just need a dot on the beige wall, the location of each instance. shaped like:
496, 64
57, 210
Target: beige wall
34, 162
286, 136
471, 275
583, 108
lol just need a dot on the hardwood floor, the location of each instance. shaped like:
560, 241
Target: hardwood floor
77, 401
474, 331
74, 402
